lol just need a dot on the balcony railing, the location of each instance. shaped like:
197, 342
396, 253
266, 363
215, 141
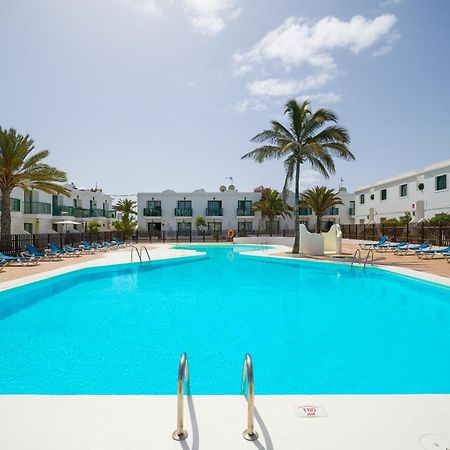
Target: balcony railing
152, 212
97, 212
305, 211
332, 212
81, 212
245, 212
214, 212
37, 208
63, 210
351, 211
183, 212
14, 204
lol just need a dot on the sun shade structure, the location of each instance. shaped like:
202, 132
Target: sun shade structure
68, 222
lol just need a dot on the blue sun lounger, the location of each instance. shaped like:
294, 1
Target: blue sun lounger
391, 246
428, 254
31, 250
369, 245
23, 260
413, 249
60, 251
3, 264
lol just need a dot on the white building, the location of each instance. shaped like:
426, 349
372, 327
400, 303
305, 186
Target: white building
223, 210
35, 211
423, 193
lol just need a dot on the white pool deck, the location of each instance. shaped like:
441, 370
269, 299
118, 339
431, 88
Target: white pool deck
352, 422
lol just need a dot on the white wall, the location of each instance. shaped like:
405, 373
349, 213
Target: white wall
396, 206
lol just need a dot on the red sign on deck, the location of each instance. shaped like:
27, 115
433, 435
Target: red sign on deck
310, 411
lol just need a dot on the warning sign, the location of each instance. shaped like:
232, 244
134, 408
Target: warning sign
310, 411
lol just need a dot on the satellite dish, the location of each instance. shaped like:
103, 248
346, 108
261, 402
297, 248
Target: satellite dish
222, 188
231, 187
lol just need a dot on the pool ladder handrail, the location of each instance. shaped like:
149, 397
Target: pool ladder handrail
357, 252
247, 374
180, 434
139, 252
262, 244
370, 252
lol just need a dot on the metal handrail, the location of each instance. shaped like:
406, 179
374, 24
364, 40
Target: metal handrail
249, 433
370, 252
133, 247
139, 252
357, 252
146, 251
180, 434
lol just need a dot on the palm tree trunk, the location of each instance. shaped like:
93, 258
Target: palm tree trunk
6, 213
318, 223
296, 247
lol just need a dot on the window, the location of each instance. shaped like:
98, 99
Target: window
153, 226
245, 208
403, 190
214, 227
273, 227
214, 208
28, 227
362, 199
245, 226
184, 227
441, 182
152, 204
184, 204
383, 194
54, 227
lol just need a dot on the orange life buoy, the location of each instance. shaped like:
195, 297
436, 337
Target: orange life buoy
230, 234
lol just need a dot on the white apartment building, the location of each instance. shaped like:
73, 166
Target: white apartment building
423, 193
36, 212
223, 210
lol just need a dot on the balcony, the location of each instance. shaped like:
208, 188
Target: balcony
97, 212
332, 212
63, 210
305, 211
214, 212
37, 208
81, 212
241, 212
183, 212
14, 204
153, 212
351, 211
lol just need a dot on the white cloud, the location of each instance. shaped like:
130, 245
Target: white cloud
388, 3
210, 16
274, 87
250, 104
391, 40
297, 42
207, 17
323, 98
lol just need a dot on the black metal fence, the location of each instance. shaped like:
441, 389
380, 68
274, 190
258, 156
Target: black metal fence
413, 233
16, 243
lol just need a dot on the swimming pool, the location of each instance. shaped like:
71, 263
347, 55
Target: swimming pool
312, 328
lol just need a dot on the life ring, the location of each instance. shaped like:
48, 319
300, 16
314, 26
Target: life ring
230, 234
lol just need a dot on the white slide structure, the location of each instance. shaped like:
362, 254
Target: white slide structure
317, 244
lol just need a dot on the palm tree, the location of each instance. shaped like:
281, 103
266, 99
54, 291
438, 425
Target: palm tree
271, 205
127, 208
126, 224
319, 199
19, 169
303, 141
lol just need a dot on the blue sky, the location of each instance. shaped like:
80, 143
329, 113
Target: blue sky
145, 95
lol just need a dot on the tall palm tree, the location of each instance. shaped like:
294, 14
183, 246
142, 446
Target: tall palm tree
303, 140
271, 206
319, 199
19, 169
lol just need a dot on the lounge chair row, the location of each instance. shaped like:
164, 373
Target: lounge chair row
405, 248
32, 255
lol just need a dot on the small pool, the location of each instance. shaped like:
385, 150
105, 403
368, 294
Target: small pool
312, 328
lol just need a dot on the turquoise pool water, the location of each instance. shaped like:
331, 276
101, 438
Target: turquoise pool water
310, 327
